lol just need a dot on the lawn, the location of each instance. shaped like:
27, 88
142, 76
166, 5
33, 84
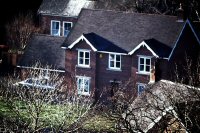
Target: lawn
55, 115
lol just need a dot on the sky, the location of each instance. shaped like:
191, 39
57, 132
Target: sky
10, 8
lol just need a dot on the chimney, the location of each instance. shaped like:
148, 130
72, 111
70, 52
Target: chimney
180, 14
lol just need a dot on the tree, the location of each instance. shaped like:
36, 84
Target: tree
20, 29
37, 107
167, 7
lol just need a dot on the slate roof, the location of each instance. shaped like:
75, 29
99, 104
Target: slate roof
102, 44
45, 49
159, 48
126, 30
73, 7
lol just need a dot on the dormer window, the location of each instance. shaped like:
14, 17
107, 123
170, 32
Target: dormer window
144, 65
115, 61
55, 28
67, 27
84, 58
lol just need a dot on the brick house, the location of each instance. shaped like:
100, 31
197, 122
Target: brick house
110, 47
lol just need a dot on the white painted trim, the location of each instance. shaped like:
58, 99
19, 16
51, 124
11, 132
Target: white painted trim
87, 50
83, 65
63, 47
114, 68
107, 52
84, 78
64, 26
187, 22
82, 38
143, 43
144, 72
41, 68
58, 29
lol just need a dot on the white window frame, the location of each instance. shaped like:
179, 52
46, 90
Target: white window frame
84, 58
115, 61
144, 71
138, 87
56, 21
64, 27
83, 79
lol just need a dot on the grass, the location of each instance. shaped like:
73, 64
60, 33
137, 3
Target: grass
99, 123
54, 115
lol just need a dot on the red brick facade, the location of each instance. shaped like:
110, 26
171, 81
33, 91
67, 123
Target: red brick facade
45, 22
101, 75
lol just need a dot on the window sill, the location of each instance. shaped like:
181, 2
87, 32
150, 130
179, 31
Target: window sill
84, 94
143, 73
87, 67
112, 69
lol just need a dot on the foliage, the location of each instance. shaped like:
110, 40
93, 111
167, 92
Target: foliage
37, 108
19, 31
166, 7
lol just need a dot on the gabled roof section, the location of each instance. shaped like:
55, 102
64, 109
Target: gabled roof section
126, 30
158, 49
44, 49
81, 38
97, 43
195, 31
72, 8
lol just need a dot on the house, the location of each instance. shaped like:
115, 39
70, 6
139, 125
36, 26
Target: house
109, 48
57, 17
118, 46
185, 56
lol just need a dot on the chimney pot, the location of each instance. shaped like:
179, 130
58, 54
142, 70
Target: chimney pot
180, 14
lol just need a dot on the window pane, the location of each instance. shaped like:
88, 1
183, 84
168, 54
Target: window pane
67, 26
148, 68
148, 61
79, 84
55, 25
112, 57
140, 89
80, 60
87, 61
86, 87
141, 60
111, 63
117, 57
141, 67
118, 64
87, 55
81, 54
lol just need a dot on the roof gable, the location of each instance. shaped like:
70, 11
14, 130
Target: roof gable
81, 38
158, 49
97, 43
187, 23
